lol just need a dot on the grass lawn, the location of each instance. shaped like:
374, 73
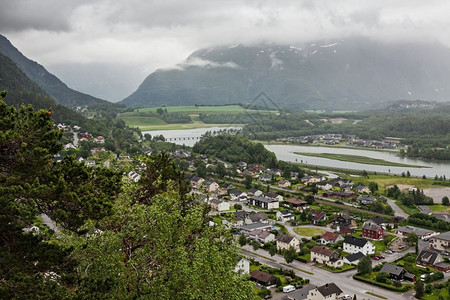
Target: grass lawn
357, 159
435, 294
384, 180
439, 208
345, 267
307, 231
407, 209
380, 245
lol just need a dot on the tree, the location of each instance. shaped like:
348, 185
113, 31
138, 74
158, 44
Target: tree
365, 265
413, 239
309, 199
273, 249
373, 186
242, 240
161, 247
221, 171
365, 174
290, 254
419, 288
445, 200
201, 169
381, 277
248, 181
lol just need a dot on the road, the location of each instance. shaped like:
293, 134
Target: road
320, 277
75, 138
397, 210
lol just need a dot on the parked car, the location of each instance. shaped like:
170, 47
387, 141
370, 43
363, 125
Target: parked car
381, 256
389, 251
347, 297
375, 258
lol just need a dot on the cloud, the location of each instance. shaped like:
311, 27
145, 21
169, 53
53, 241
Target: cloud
142, 36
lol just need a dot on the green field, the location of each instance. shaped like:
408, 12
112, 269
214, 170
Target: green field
308, 231
439, 208
200, 109
357, 159
138, 118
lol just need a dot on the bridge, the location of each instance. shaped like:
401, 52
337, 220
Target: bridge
183, 138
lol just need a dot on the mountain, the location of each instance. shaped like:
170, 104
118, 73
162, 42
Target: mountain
352, 74
48, 82
22, 90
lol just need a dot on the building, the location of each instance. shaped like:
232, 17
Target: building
284, 183
379, 221
397, 273
285, 216
242, 266
428, 258
361, 188
219, 205
263, 202
263, 278
261, 236
317, 216
441, 242
255, 226
236, 195
364, 199
285, 241
211, 186
256, 217
325, 256
353, 259
343, 220
302, 293
421, 233
372, 231
329, 291
353, 245
330, 238
297, 204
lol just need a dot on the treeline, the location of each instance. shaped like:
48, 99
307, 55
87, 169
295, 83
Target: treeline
161, 113
228, 118
414, 197
233, 148
429, 221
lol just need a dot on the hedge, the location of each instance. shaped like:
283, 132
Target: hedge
383, 285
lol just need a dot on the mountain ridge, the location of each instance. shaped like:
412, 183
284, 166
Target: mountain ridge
342, 74
51, 84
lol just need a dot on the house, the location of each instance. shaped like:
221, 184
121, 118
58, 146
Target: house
325, 256
261, 236
90, 163
297, 204
69, 146
236, 195
311, 179
254, 192
265, 178
285, 215
284, 183
353, 245
329, 291
372, 231
353, 259
341, 195
273, 196
100, 140
362, 189
343, 220
441, 242
263, 202
239, 217
364, 199
196, 181
219, 205
302, 293
245, 229
424, 209
256, 217
428, 258
323, 185
379, 221
211, 186
181, 153
242, 165
317, 216
421, 233
285, 241
397, 273
339, 182
242, 266
263, 278
330, 238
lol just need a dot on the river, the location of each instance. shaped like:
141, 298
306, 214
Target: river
286, 153
431, 169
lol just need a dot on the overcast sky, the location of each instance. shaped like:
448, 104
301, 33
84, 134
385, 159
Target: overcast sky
107, 47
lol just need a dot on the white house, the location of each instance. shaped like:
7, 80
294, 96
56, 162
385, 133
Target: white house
134, 176
220, 205
325, 256
211, 186
330, 238
286, 241
353, 245
242, 266
262, 236
263, 202
329, 291
285, 215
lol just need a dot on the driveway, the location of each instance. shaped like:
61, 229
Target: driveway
397, 210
